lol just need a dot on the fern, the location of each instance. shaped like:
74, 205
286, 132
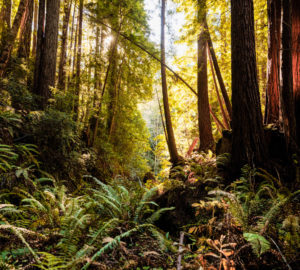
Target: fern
258, 242
115, 242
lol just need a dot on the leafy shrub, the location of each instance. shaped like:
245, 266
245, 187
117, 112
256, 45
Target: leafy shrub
57, 138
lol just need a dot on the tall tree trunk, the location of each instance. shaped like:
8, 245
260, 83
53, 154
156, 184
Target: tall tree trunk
112, 91
35, 27
25, 40
98, 66
78, 62
287, 98
171, 138
47, 67
273, 81
11, 36
204, 123
39, 46
248, 142
296, 62
112, 52
6, 21
63, 51
71, 47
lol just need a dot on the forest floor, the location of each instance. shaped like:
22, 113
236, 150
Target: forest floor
243, 225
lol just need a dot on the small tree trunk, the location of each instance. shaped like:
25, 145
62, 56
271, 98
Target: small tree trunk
78, 62
218, 73
171, 138
248, 142
273, 83
25, 40
287, 98
63, 51
225, 118
39, 46
71, 48
35, 27
11, 36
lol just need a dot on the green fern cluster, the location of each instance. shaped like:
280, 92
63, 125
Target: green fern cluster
82, 227
263, 203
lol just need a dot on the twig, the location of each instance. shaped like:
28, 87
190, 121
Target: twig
180, 250
282, 256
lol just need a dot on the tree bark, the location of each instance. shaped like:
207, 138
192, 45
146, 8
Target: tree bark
11, 37
296, 62
174, 157
61, 85
39, 45
35, 27
273, 81
78, 62
6, 21
46, 69
25, 40
248, 142
204, 123
287, 98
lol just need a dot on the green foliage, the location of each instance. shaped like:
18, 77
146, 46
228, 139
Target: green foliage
56, 136
259, 243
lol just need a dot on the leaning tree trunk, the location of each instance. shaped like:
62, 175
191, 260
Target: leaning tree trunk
63, 51
204, 123
11, 36
47, 66
171, 138
287, 98
248, 142
218, 73
273, 81
25, 40
296, 62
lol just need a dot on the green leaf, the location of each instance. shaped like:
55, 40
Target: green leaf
258, 242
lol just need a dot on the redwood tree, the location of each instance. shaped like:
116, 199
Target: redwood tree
45, 67
11, 36
26, 30
273, 79
204, 123
296, 61
287, 98
6, 20
248, 142
61, 84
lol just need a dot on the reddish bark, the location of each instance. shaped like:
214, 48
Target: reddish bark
204, 123
287, 97
26, 30
273, 80
11, 36
296, 61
